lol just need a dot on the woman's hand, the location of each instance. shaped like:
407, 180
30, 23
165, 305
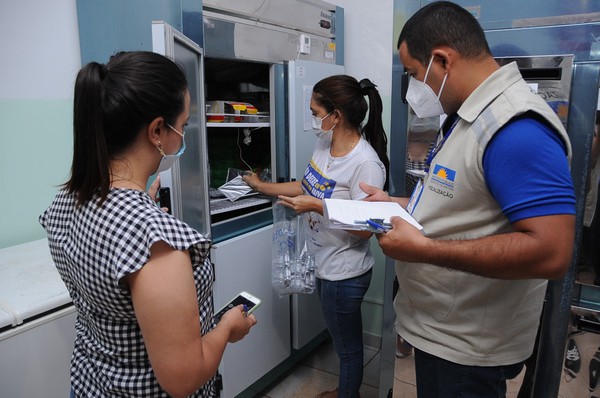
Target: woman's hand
302, 203
153, 192
238, 323
252, 180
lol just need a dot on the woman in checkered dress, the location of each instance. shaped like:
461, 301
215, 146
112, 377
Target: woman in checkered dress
140, 279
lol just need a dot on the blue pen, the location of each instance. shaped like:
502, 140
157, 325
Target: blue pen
378, 227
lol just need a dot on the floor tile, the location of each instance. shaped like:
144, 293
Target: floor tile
323, 358
372, 367
302, 382
319, 372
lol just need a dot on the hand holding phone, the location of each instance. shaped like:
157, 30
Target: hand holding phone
249, 301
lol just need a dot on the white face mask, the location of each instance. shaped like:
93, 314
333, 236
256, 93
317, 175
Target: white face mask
167, 161
421, 97
317, 127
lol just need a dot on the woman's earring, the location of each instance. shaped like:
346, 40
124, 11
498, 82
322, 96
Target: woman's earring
159, 147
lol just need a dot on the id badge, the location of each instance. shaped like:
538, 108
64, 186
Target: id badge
414, 198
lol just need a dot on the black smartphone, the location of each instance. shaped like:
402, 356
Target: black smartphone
164, 197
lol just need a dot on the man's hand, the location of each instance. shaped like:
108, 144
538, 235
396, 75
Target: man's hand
375, 194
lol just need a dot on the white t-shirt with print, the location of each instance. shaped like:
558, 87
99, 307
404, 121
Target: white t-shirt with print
339, 254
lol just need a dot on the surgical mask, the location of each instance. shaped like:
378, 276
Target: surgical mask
317, 127
421, 97
167, 161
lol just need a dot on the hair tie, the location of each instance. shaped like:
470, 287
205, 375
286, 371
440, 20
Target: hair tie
366, 84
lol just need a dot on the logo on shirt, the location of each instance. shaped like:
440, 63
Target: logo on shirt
443, 176
316, 184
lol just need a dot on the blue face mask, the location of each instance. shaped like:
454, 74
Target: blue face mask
167, 161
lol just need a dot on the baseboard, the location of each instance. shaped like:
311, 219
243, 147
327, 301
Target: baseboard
371, 340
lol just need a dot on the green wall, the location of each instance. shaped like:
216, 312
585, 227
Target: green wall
37, 143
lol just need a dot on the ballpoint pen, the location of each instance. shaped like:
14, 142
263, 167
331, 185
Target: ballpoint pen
377, 227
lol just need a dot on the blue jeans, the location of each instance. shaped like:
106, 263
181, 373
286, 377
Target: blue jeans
438, 378
341, 304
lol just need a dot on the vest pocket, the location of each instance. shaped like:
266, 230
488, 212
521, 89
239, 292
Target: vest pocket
428, 288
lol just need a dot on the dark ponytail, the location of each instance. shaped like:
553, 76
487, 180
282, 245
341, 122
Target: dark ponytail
89, 169
345, 93
112, 104
373, 131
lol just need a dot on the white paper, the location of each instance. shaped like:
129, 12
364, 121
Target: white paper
352, 214
307, 118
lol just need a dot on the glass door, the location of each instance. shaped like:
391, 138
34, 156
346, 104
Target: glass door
184, 188
239, 140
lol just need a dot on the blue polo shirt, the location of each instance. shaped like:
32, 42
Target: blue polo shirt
522, 172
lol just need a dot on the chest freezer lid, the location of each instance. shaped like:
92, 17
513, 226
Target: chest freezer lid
29, 283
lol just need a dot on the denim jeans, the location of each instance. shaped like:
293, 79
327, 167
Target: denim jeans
341, 304
438, 378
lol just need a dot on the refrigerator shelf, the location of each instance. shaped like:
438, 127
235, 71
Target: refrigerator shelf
237, 124
220, 118
218, 206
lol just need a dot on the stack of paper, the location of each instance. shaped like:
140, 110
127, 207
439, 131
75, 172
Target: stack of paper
353, 214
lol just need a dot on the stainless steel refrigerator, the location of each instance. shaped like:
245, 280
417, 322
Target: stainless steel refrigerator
250, 85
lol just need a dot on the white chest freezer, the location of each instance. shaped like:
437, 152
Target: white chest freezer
37, 323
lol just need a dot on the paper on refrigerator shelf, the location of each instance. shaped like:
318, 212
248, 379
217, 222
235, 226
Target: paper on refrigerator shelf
352, 214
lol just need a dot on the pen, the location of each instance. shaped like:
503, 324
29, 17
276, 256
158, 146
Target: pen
375, 220
378, 227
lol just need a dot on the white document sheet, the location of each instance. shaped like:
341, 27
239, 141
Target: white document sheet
353, 214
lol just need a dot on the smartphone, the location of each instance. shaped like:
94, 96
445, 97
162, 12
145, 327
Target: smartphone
251, 302
164, 195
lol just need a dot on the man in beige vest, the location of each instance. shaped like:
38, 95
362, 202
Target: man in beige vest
497, 206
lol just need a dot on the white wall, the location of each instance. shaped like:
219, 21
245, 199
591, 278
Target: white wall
368, 41
369, 48
40, 57
40, 46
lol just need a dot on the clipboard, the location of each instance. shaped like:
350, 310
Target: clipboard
353, 214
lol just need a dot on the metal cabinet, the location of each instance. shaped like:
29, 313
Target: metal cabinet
243, 263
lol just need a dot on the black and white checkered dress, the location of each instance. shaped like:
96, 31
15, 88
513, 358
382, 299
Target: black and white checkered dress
94, 248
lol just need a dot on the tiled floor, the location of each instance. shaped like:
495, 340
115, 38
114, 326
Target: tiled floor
318, 372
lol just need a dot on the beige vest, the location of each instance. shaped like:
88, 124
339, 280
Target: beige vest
459, 316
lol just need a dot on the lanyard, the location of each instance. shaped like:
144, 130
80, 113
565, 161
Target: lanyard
434, 151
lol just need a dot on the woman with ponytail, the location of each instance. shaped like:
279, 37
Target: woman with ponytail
140, 279
345, 154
